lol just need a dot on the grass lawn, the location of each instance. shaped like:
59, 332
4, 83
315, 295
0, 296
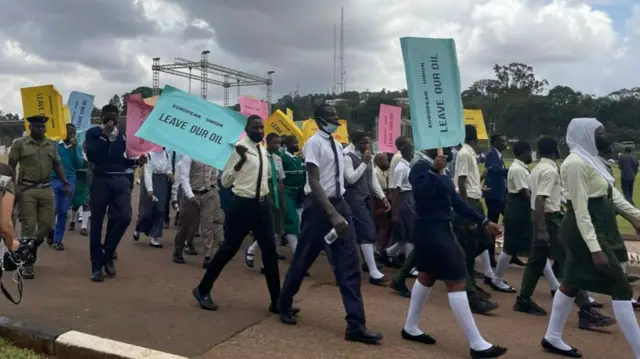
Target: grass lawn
8, 351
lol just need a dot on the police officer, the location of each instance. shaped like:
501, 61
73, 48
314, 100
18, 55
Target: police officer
37, 157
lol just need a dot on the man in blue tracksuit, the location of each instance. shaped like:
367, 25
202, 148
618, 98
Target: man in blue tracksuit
110, 188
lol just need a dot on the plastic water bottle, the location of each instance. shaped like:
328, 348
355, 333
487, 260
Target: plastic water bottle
331, 236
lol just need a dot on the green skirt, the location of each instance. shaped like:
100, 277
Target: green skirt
293, 202
80, 193
518, 228
579, 271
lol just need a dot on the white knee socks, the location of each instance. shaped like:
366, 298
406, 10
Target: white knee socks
624, 314
460, 307
551, 277
419, 296
559, 314
85, 218
293, 242
367, 252
408, 248
393, 250
501, 267
486, 264
252, 248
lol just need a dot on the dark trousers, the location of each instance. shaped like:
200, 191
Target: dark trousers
627, 189
495, 208
343, 253
112, 193
246, 215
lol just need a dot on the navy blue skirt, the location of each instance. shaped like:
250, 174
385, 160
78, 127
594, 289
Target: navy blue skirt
438, 252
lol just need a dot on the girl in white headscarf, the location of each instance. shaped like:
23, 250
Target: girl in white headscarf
588, 230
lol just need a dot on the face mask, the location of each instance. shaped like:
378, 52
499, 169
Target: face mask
255, 137
329, 128
603, 144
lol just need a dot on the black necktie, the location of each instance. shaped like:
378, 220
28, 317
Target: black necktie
259, 174
337, 171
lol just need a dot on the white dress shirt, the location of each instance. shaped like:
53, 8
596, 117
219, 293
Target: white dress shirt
317, 150
352, 175
517, 177
580, 182
158, 163
383, 177
392, 165
245, 181
467, 166
177, 180
401, 176
185, 176
545, 181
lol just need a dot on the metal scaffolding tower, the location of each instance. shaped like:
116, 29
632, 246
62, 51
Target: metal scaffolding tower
230, 77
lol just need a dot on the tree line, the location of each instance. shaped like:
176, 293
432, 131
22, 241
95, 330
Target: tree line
516, 103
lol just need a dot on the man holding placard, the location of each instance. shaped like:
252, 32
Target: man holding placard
247, 170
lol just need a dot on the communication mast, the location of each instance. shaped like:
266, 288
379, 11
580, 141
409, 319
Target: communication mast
227, 77
341, 86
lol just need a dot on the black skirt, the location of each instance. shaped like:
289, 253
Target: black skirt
438, 252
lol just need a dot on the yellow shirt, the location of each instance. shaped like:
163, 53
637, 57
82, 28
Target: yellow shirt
245, 181
467, 166
518, 177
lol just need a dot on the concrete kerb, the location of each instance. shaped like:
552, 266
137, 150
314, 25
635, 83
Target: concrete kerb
73, 344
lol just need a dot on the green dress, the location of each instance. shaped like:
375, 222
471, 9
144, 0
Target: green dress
580, 272
81, 191
293, 191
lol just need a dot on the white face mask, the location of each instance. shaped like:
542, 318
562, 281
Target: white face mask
327, 127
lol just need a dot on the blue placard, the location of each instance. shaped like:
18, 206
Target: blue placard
433, 83
193, 127
80, 107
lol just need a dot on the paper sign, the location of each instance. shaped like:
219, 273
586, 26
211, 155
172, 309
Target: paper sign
193, 127
44, 100
433, 83
281, 124
250, 106
137, 112
310, 127
389, 121
80, 107
151, 101
475, 118
290, 114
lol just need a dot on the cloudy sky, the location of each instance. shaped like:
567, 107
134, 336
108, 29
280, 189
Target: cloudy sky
104, 47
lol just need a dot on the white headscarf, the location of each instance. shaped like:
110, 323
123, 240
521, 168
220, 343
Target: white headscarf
581, 140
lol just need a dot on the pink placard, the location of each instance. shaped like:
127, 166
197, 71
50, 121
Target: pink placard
137, 112
250, 106
389, 121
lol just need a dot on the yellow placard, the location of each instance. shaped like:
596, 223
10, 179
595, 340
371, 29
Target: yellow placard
309, 127
151, 101
290, 114
47, 101
67, 115
475, 118
281, 124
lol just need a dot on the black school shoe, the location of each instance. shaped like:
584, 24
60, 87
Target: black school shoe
423, 338
528, 306
364, 336
589, 318
571, 353
493, 352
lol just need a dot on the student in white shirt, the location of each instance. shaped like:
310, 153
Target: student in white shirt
382, 215
588, 231
247, 170
400, 142
325, 210
154, 193
362, 188
517, 215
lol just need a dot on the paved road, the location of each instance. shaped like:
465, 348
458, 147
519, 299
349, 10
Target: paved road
149, 304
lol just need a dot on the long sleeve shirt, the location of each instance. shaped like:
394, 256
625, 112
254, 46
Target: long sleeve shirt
435, 196
245, 181
70, 159
352, 175
158, 163
177, 181
185, 177
581, 182
107, 153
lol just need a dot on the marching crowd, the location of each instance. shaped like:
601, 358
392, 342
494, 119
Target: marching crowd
421, 212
